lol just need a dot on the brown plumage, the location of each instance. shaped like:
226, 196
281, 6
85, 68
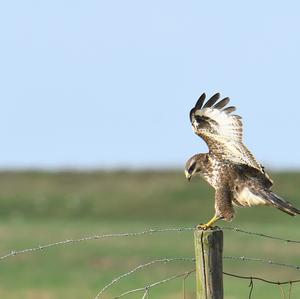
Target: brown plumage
229, 167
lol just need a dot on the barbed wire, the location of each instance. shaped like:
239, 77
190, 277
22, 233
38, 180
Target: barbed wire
278, 283
141, 267
235, 229
94, 237
152, 285
167, 260
131, 234
190, 259
261, 279
187, 274
265, 261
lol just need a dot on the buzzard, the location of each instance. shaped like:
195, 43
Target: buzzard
229, 167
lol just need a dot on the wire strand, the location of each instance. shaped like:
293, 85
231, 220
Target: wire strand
262, 279
270, 262
94, 237
235, 229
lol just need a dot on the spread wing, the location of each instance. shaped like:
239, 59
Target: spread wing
221, 130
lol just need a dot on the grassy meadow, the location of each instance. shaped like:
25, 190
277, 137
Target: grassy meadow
37, 208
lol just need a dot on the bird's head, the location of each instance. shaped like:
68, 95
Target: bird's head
194, 165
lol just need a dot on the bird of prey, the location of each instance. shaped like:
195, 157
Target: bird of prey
229, 167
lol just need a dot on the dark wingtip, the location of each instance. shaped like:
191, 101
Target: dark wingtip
212, 100
200, 101
191, 114
222, 103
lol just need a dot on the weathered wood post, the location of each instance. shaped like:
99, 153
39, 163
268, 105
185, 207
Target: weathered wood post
209, 263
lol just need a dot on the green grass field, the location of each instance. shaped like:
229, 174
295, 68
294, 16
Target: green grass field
38, 208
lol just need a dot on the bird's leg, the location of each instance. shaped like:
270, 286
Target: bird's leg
209, 224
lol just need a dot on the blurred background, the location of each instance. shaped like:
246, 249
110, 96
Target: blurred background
95, 97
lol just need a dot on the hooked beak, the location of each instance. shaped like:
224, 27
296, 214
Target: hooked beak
187, 175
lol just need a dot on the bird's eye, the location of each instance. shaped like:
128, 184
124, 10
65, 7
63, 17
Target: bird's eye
192, 168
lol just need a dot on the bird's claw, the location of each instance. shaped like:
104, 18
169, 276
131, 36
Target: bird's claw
203, 226
209, 224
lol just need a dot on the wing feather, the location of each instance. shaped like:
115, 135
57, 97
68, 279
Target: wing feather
200, 101
212, 100
253, 174
222, 103
276, 201
229, 109
221, 130
198, 105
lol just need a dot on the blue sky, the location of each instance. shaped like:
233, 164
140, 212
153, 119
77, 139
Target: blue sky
110, 83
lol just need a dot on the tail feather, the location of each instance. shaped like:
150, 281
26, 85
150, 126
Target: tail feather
279, 203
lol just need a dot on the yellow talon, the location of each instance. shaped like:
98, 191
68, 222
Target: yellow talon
209, 224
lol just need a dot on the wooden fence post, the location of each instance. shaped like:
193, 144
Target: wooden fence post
209, 263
